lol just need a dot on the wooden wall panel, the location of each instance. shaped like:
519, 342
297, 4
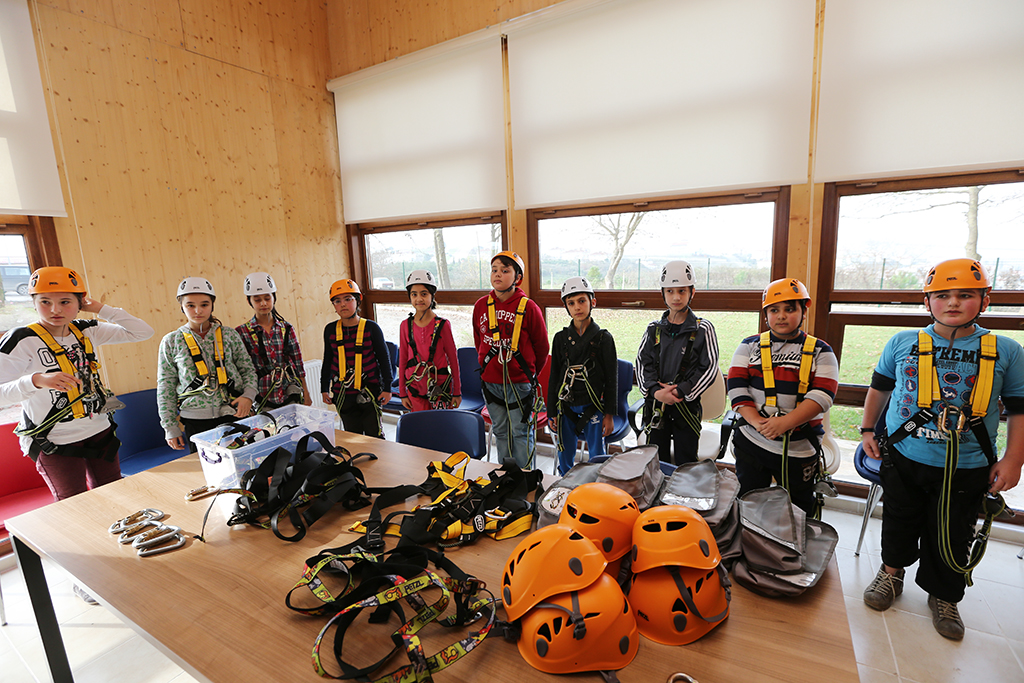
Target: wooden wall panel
367, 32
170, 160
285, 39
311, 200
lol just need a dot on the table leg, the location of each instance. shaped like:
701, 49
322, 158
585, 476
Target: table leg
46, 619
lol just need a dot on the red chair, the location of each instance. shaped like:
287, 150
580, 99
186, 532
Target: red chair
22, 489
543, 379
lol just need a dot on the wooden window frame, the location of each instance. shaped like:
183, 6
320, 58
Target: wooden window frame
40, 235
650, 299
360, 266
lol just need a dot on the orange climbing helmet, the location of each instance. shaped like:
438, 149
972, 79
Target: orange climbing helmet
673, 535
552, 560
55, 279
509, 254
592, 629
957, 273
678, 605
345, 287
604, 514
786, 289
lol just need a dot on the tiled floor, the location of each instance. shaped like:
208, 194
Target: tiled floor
897, 646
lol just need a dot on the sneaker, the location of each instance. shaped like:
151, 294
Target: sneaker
946, 618
85, 596
884, 589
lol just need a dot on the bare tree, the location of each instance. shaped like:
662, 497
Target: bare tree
443, 280
620, 227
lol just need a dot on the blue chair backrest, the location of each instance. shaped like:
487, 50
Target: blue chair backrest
448, 431
393, 355
867, 467
625, 386
469, 376
138, 425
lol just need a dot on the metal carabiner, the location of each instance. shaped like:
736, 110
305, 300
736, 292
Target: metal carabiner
129, 534
179, 540
680, 677
134, 518
155, 536
202, 492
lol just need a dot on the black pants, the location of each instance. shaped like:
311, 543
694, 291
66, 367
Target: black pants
756, 467
676, 441
193, 427
361, 418
910, 521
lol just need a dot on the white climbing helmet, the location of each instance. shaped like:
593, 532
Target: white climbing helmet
421, 277
677, 274
195, 285
576, 285
259, 283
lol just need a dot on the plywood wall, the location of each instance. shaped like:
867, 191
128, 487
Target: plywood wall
194, 137
367, 32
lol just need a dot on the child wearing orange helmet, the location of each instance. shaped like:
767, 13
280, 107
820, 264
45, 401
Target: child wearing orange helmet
356, 374
935, 393
50, 368
780, 436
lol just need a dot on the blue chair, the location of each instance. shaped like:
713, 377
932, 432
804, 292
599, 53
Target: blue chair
620, 423
448, 431
469, 376
395, 404
142, 438
869, 468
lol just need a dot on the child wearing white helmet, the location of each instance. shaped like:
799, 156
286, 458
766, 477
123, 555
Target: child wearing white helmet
934, 399
782, 382
676, 362
204, 376
583, 390
356, 374
428, 366
511, 341
273, 347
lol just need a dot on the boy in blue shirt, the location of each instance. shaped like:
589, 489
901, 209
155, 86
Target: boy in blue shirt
939, 461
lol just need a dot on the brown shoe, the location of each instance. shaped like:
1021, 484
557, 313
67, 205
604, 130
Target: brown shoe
884, 589
946, 618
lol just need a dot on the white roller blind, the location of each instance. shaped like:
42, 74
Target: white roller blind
424, 137
29, 184
920, 86
644, 97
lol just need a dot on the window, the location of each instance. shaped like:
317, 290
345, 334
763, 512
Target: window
878, 242
457, 251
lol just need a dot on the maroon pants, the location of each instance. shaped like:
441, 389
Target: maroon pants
69, 475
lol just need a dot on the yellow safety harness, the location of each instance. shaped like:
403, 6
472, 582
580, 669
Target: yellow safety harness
202, 369
771, 403
65, 364
356, 380
928, 391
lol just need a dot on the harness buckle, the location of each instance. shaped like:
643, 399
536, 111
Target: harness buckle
769, 411
951, 414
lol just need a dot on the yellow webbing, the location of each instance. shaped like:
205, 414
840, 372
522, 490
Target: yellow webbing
218, 353
342, 365
492, 321
61, 356
806, 358
928, 382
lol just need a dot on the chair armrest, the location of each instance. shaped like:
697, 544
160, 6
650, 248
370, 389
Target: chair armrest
631, 414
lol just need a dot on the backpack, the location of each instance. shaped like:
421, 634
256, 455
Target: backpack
784, 552
637, 472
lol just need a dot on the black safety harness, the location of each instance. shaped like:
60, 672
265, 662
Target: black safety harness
439, 380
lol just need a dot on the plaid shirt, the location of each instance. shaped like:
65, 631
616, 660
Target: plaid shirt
279, 349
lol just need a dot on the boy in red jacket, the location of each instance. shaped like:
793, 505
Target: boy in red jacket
512, 342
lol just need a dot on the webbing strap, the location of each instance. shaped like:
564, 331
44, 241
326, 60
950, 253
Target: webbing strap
768, 374
357, 375
928, 388
218, 355
65, 364
492, 322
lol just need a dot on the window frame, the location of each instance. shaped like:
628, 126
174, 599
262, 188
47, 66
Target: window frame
744, 300
40, 235
360, 266
831, 325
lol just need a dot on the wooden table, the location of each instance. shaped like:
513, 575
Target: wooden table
217, 609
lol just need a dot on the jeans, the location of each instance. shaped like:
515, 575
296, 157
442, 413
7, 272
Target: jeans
593, 432
515, 438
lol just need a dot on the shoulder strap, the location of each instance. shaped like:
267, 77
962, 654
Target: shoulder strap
65, 364
342, 365
806, 360
982, 393
218, 355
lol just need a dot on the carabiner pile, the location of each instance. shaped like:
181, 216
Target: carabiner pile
146, 533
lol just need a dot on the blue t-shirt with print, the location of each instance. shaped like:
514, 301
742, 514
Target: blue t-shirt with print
957, 369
